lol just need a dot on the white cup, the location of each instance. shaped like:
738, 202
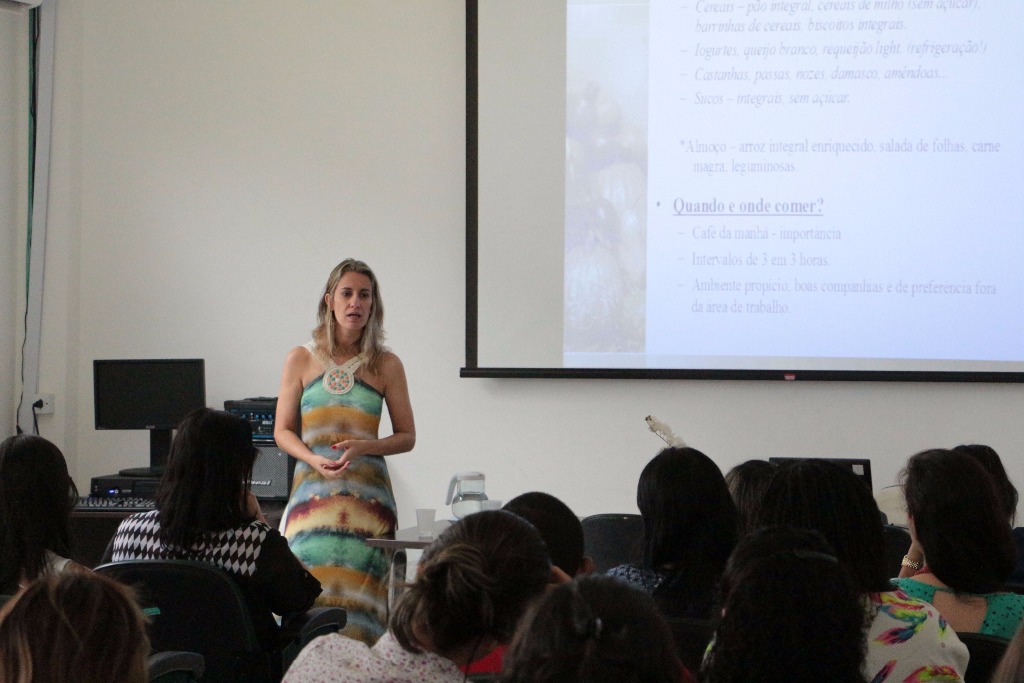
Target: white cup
425, 522
490, 504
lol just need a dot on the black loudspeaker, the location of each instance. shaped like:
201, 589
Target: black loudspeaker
272, 473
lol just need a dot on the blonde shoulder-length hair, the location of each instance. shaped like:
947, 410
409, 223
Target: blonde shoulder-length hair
371, 342
73, 627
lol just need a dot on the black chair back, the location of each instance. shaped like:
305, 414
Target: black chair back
986, 651
175, 667
897, 542
692, 637
197, 607
612, 539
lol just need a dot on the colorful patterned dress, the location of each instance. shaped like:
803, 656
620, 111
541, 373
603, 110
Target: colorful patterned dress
327, 520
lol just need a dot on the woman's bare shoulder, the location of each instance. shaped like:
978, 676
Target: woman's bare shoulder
300, 355
389, 358
389, 372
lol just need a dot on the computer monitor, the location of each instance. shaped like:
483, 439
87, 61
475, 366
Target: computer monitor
148, 394
860, 466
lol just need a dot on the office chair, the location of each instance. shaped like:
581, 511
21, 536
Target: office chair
986, 651
175, 667
197, 607
613, 539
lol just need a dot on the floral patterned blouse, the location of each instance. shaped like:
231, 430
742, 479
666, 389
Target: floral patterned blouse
908, 640
337, 658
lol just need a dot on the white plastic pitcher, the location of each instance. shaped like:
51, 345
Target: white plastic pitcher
466, 493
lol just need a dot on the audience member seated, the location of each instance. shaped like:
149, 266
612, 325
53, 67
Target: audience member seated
36, 499
988, 457
472, 586
791, 612
594, 630
559, 527
905, 636
747, 482
75, 627
690, 528
961, 538
563, 535
205, 511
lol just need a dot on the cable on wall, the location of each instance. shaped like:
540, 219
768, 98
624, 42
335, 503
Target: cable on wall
43, 22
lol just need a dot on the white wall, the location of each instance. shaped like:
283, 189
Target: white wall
213, 161
13, 188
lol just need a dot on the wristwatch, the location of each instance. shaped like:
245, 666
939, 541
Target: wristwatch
907, 562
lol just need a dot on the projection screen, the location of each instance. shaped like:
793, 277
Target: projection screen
778, 190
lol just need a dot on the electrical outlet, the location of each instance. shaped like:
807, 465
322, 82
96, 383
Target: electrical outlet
48, 402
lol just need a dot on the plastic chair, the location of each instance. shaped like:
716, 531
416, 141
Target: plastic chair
612, 539
986, 651
175, 667
197, 607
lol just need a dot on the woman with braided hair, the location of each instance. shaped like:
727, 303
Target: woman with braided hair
472, 586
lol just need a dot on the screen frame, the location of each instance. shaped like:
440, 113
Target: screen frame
471, 369
845, 463
160, 433
191, 363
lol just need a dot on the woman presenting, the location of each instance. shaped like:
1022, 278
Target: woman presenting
328, 411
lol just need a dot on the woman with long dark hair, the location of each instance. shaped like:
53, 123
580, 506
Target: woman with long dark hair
37, 496
690, 528
790, 613
904, 635
205, 511
990, 460
958, 519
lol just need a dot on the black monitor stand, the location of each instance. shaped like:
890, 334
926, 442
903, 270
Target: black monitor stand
159, 448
